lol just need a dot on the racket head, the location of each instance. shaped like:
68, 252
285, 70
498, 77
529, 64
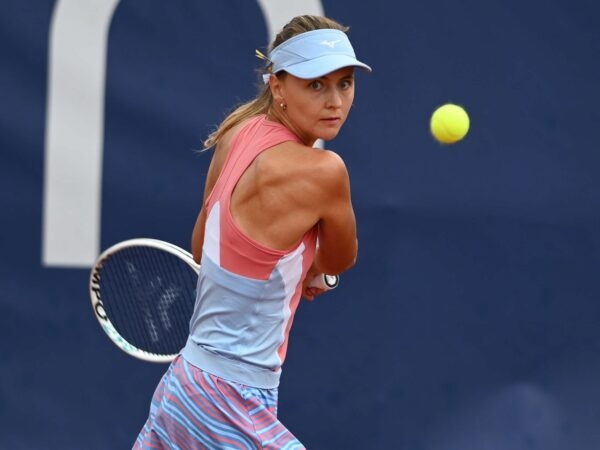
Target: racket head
143, 292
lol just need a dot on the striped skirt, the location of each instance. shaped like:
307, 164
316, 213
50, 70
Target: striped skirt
192, 409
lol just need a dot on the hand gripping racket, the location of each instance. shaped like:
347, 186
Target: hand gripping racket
143, 294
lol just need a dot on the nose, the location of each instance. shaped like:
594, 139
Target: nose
334, 100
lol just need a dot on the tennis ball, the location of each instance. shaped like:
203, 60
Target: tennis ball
449, 123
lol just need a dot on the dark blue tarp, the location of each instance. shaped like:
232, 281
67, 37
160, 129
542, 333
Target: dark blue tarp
471, 321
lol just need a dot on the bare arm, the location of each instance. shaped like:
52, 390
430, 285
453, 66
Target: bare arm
338, 244
198, 235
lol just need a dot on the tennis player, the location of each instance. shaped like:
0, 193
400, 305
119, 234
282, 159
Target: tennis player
269, 198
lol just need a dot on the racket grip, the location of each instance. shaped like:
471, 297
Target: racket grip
324, 281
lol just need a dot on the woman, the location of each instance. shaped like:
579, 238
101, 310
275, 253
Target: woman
269, 197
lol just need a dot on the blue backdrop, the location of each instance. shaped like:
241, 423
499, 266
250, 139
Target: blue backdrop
471, 319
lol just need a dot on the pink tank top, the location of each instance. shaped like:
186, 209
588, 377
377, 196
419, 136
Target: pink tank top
247, 293
238, 252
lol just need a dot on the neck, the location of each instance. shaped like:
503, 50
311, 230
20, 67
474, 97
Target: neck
276, 115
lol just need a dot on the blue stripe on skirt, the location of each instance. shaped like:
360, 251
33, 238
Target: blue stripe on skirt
192, 409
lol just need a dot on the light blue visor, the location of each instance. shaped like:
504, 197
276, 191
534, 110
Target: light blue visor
313, 54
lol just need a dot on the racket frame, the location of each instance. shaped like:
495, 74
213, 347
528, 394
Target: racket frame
96, 294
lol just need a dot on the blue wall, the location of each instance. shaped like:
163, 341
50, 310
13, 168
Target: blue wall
471, 319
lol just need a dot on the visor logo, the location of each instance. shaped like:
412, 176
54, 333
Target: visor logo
330, 44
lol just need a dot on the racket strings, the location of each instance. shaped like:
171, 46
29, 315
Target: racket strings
168, 308
119, 297
149, 295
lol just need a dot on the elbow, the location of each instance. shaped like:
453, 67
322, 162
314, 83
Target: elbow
196, 251
351, 261
350, 264
197, 257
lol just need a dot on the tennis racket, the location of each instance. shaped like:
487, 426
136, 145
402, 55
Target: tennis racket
143, 293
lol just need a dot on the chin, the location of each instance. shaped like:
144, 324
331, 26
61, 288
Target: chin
328, 135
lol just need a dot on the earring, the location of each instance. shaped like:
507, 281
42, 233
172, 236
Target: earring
283, 106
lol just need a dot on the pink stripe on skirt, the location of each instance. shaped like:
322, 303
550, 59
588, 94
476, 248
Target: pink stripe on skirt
192, 409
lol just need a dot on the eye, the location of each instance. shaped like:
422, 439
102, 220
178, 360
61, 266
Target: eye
347, 83
316, 84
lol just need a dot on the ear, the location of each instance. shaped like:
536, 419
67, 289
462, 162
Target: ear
276, 88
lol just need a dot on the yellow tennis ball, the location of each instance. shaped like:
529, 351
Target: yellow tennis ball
449, 123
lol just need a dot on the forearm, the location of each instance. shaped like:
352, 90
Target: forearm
335, 261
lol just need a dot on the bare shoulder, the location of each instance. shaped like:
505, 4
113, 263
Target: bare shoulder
329, 171
304, 176
332, 164
324, 165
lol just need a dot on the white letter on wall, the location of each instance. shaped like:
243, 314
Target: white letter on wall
75, 131
279, 12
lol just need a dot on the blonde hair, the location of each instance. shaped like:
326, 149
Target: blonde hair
262, 102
